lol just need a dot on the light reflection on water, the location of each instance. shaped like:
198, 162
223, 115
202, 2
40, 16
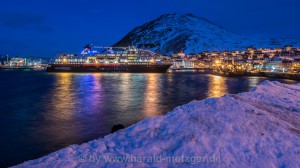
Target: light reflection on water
60, 101
50, 111
254, 81
151, 98
217, 86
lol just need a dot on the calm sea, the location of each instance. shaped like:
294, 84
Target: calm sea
43, 112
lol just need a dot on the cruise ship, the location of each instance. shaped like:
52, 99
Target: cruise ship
111, 59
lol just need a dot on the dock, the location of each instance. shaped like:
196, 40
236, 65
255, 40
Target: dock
281, 75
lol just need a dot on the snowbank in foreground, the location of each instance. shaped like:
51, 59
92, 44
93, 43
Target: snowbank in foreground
260, 128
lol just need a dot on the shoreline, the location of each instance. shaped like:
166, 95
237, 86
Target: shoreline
229, 128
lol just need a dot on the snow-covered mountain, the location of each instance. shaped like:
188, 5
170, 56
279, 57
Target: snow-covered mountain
192, 34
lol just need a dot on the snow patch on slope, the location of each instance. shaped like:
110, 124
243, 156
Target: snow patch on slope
260, 128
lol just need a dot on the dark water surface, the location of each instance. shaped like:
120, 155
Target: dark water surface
42, 112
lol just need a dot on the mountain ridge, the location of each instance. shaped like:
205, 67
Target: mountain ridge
173, 33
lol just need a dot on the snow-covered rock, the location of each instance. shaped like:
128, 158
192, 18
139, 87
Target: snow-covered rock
260, 128
173, 33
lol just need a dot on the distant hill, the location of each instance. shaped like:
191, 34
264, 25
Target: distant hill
172, 33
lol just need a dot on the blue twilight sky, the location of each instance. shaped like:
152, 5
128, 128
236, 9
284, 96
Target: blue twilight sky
48, 27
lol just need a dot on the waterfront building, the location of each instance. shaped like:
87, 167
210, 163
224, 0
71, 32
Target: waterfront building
183, 64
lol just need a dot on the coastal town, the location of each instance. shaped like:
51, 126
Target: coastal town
272, 62
277, 59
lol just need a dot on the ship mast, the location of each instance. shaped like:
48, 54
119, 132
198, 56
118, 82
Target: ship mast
6, 58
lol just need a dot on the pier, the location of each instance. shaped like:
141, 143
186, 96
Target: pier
279, 75
282, 75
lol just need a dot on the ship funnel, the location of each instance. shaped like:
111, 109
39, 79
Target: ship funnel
87, 47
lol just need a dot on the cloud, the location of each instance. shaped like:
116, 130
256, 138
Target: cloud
21, 20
